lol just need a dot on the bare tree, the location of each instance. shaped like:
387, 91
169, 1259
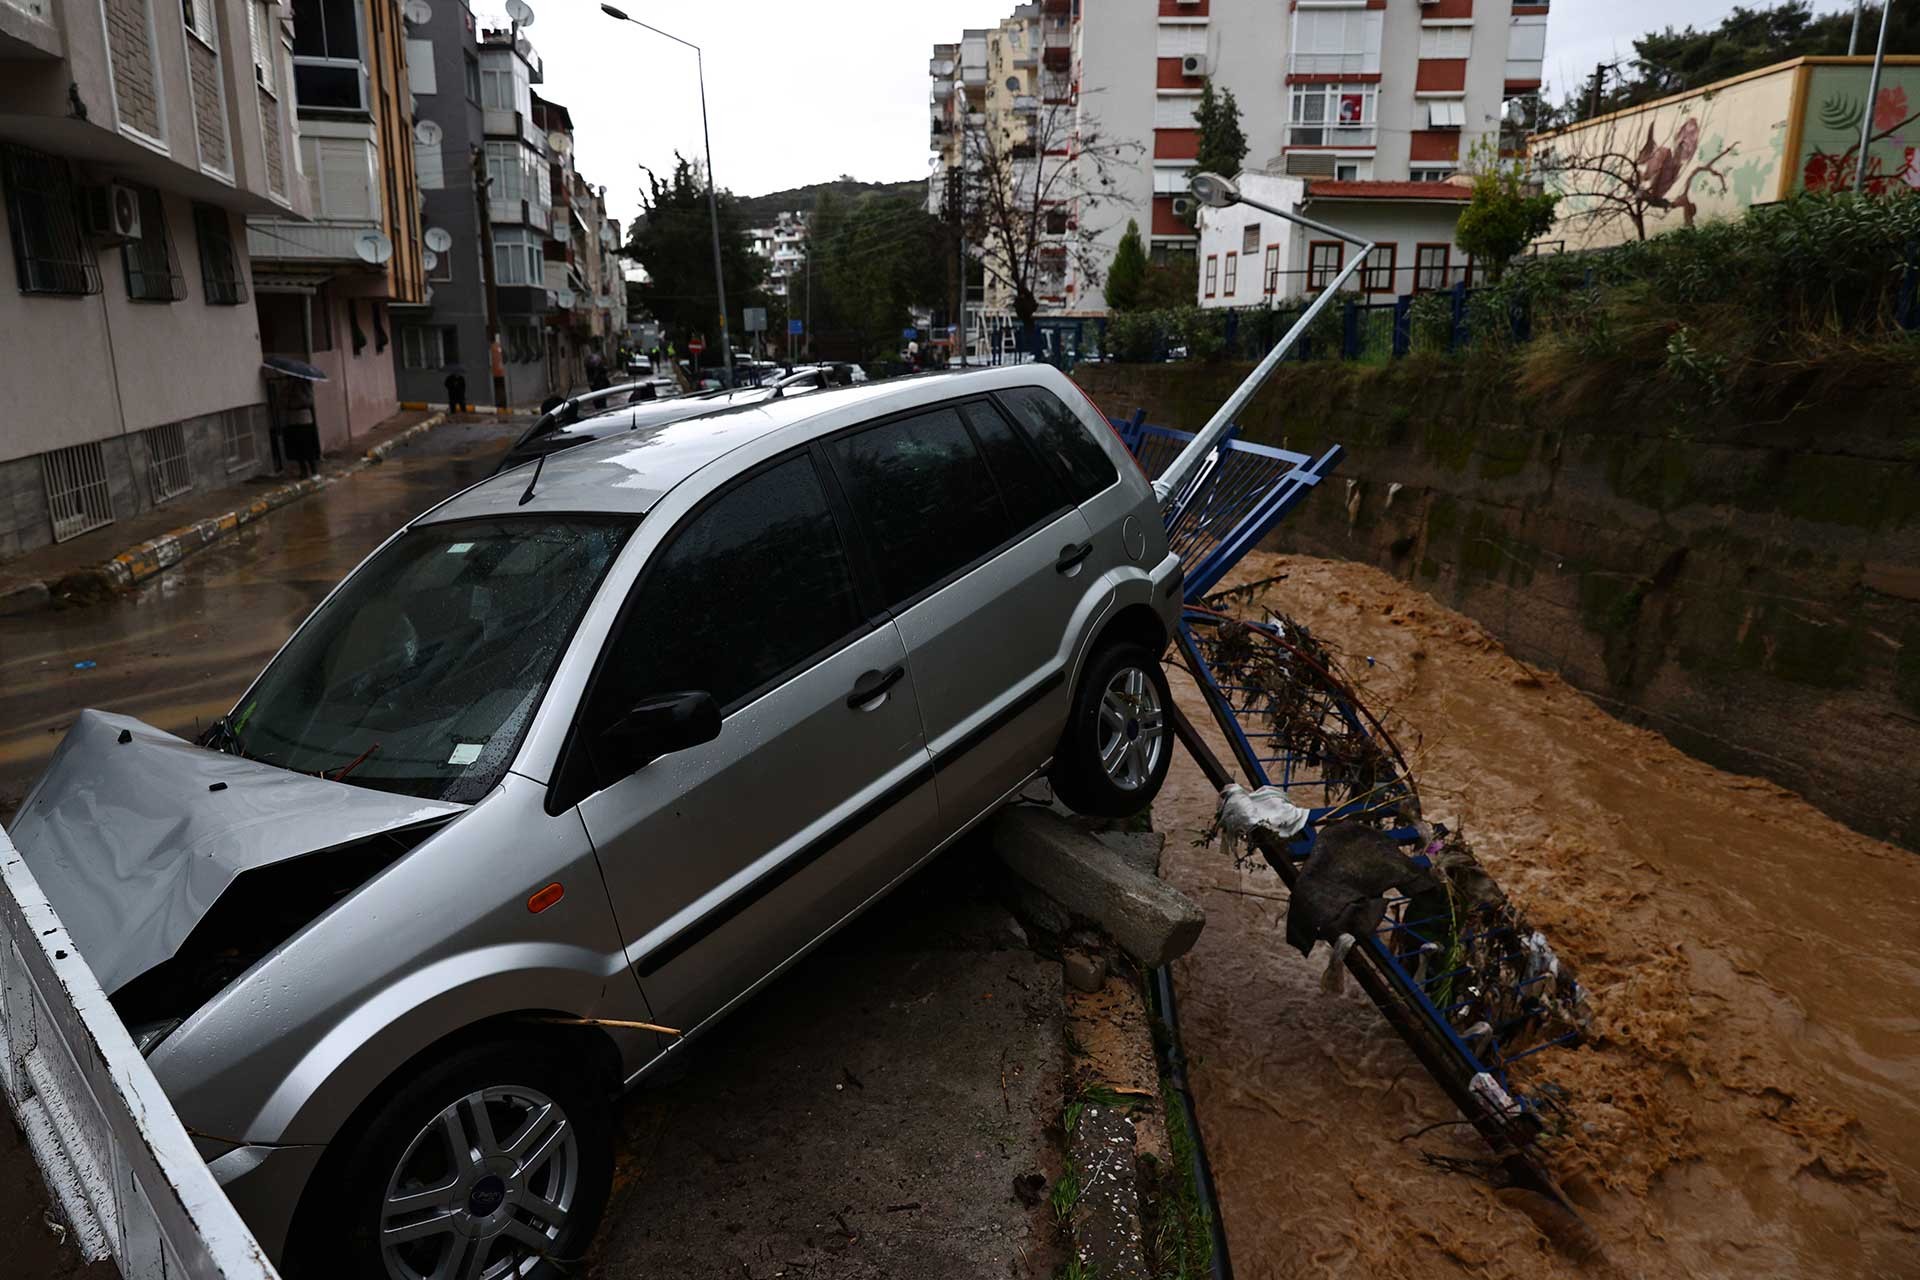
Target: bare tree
1609, 173
1034, 195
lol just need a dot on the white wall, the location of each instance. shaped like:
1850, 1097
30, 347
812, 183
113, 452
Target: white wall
1406, 224
86, 368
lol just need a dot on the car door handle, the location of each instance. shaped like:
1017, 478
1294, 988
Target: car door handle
871, 685
1071, 557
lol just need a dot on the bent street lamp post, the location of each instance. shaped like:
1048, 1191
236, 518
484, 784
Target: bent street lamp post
1873, 95
713, 207
1218, 192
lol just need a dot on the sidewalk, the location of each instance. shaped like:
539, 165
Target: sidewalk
139, 546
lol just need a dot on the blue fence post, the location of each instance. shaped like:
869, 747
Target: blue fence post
1457, 331
1402, 325
1350, 331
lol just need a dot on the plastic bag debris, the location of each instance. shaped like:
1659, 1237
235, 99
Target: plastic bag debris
1243, 812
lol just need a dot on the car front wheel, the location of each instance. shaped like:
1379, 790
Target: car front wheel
494, 1163
1118, 743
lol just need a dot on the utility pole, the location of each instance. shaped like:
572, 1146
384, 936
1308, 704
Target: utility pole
1853, 37
957, 177
1599, 83
1873, 95
496, 363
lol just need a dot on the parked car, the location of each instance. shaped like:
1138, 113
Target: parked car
565, 763
557, 431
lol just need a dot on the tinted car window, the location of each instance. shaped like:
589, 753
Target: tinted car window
1064, 439
1030, 493
752, 586
923, 496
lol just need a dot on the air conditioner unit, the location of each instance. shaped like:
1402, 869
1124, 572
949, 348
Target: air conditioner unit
1182, 206
1193, 64
111, 213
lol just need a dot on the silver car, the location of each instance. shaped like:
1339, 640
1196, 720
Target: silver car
572, 765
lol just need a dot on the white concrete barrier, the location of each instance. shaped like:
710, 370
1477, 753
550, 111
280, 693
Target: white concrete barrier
116, 1157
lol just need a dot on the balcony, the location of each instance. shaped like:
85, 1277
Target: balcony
940, 68
329, 242
1320, 135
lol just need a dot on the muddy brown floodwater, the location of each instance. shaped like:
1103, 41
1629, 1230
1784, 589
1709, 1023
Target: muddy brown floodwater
1750, 1100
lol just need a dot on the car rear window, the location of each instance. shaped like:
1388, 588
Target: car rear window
750, 588
1064, 439
1028, 489
924, 497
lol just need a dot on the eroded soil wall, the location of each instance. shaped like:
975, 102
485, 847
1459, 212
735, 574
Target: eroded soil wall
1743, 578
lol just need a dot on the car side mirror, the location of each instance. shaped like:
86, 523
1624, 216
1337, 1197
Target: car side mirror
660, 726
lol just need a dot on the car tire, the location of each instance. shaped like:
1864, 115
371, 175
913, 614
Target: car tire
1118, 741
533, 1180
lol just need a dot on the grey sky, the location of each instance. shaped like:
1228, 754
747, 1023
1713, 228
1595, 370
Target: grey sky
804, 90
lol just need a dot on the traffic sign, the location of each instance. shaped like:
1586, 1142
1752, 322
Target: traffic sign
756, 319
696, 345
796, 327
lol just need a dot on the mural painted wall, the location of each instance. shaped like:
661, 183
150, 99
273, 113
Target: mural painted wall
1835, 102
1668, 164
1719, 151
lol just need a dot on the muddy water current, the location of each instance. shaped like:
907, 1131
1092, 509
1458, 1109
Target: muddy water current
1749, 1101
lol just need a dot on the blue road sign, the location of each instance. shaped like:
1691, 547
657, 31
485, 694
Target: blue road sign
796, 326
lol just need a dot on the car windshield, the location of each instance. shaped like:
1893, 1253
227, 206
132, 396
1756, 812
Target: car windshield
421, 672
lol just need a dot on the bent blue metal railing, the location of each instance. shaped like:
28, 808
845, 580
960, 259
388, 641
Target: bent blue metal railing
1235, 499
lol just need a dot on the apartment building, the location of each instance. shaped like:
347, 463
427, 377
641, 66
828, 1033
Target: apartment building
784, 247
520, 208
446, 329
586, 295
323, 286
1341, 90
135, 137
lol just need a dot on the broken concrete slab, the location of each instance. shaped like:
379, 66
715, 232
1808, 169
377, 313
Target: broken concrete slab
1141, 849
1151, 920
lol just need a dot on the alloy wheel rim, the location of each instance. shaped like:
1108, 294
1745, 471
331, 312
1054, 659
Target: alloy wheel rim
484, 1190
1132, 729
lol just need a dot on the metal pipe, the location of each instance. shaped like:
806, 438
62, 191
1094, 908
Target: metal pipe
1873, 94
1181, 469
1853, 37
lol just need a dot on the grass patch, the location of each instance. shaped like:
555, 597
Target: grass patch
1065, 1196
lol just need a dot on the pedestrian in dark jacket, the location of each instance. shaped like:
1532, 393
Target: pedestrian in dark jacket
457, 392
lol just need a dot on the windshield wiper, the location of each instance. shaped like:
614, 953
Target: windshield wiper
340, 774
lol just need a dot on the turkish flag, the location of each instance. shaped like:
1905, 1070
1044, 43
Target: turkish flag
1351, 106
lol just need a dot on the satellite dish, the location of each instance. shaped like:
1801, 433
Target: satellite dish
429, 260
560, 141
1013, 84
606, 235
427, 133
567, 299
521, 12
418, 13
438, 240
373, 247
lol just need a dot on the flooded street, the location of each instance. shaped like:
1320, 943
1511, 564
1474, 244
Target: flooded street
1750, 1100
176, 651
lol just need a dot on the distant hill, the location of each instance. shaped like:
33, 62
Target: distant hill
758, 211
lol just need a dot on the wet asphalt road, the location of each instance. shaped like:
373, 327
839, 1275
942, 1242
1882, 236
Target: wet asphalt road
178, 651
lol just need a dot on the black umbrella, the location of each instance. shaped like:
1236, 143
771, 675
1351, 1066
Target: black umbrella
293, 368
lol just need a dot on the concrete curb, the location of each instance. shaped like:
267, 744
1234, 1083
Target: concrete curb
144, 559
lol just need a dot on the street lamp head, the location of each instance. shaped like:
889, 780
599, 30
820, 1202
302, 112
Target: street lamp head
612, 12
1212, 189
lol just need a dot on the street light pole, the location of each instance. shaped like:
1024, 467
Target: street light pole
713, 204
1873, 95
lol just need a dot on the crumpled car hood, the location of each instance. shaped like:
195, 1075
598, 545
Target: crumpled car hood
134, 841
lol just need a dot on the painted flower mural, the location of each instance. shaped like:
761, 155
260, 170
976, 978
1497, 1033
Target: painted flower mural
1887, 169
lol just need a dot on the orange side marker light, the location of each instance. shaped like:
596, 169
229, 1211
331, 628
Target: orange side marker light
546, 897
